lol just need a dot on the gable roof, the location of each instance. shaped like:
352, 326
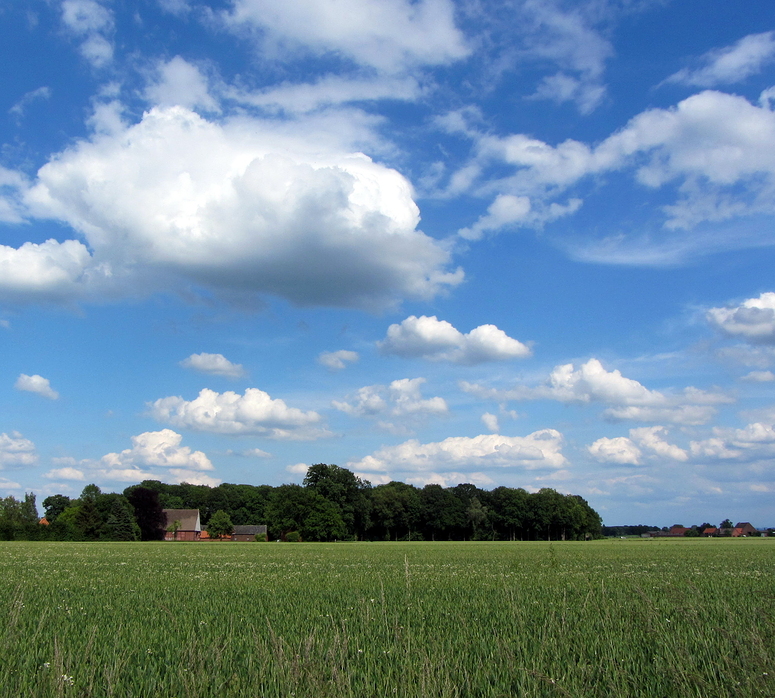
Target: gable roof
189, 518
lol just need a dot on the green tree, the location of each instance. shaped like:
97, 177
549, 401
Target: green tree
726, 523
220, 525
121, 525
88, 519
346, 491
55, 505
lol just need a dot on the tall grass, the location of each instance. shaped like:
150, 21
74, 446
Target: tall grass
610, 618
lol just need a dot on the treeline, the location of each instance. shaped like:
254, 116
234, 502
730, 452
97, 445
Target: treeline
331, 504
619, 531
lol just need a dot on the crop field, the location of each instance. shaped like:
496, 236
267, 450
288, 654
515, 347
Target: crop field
606, 618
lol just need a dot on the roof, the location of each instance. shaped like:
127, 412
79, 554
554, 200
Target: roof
189, 519
249, 530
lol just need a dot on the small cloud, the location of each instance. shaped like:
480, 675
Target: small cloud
36, 384
65, 474
491, 422
335, 360
730, 64
759, 377
15, 450
438, 340
298, 469
250, 453
214, 364
18, 109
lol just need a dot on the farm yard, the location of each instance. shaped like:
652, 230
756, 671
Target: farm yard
603, 618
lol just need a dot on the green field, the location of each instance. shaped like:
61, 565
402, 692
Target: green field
606, 618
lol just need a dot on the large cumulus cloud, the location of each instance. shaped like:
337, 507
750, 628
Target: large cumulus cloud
241, 207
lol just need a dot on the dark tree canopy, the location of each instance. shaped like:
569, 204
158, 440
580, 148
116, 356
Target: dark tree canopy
149, 512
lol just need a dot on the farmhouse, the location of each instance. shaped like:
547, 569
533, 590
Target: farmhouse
247, 533
745, 528
183, 524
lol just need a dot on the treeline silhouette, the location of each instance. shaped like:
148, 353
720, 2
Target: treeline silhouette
331, 504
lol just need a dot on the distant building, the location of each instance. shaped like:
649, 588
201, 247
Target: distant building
745, 528
183, 524
247, 533
709, 532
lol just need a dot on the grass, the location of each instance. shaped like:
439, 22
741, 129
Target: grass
608, 618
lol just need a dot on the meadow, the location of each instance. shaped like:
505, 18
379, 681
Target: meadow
604, 618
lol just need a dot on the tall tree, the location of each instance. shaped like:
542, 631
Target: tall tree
55, 505
219, 525
148, 512
121, 525
345, 490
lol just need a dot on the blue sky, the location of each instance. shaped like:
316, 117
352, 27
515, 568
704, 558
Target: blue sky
518, 243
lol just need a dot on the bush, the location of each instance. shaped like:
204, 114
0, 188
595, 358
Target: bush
293, 537
261, 537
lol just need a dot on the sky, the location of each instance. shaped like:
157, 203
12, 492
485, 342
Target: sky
524, 243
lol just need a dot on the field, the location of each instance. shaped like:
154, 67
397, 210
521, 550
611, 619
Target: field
607, 618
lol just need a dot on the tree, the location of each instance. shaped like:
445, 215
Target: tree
219, 525
395, 511
295, 508
120, 525
726, 523
148, 512
88, 519
55, 505
346, 491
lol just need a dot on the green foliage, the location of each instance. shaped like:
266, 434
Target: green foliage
219, 525
121, 525
293, 537
260, 537
55, 505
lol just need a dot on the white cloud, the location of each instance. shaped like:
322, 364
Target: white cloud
437, 340
47, 271
180, 83
245, 207
300, 98
388, 35
514, 211
651, 438
491, 422
214, 364
15, 450
537, 451
255, 412
18, 109
401, 400
298, 468
716, 150
92, 23
627, 398
568, 40
617, 450
36, 384
759, 377
730, 64
156, 449
65, 474
253, 453
337, 360
753, 319
754, 442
